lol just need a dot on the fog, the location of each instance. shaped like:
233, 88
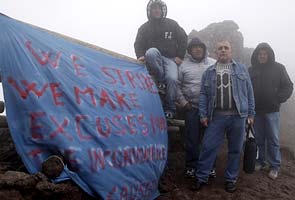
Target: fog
113, 24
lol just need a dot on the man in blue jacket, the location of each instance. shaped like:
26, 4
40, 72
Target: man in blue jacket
161, 43
226, 102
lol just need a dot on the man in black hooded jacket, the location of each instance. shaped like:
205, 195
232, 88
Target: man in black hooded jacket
272, 86
161, 43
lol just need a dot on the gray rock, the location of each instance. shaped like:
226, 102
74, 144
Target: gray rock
226, 30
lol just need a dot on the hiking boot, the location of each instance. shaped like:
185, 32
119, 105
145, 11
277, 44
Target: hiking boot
161, 86
273, 174
230, 187
190, 173
212, 173
197, 185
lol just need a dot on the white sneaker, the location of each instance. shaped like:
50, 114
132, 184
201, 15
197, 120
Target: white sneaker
212, 173
161, 86
190, 173
169, 114
273, 174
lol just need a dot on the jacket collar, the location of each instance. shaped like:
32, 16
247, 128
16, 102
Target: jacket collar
204, 60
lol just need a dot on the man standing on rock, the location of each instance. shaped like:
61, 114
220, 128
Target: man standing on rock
272, 86
190, 75
226, 102
161, 43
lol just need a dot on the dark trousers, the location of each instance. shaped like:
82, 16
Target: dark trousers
192, 138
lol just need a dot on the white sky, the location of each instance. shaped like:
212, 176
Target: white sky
113, 24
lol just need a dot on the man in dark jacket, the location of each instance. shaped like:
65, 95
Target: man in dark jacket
161, 43
272, 86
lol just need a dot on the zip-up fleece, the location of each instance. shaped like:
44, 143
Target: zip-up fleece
190, 76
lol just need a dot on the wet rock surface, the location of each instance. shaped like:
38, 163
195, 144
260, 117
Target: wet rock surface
17, 184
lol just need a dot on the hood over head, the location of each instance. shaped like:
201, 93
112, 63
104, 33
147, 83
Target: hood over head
197, 42
162, 5
268, 49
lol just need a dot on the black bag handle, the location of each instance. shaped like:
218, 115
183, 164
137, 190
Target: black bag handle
249, 130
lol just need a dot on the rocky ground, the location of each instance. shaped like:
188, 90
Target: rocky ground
16, 184
250, 186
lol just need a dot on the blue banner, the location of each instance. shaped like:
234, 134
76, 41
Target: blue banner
100, 113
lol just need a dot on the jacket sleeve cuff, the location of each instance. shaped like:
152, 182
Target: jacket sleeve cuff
181, 57
203, 117
252, 114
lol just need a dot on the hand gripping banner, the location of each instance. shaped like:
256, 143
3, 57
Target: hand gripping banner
100, 113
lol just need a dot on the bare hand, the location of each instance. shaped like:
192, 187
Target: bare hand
204, 122
178, 60
250, 121
188, 106
141, 59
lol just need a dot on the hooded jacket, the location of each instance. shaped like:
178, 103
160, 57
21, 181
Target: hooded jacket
190, 75
271, 82
164, 34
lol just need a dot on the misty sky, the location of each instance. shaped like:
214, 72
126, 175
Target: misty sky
113, 24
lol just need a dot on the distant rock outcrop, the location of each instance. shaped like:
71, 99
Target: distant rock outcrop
226, 30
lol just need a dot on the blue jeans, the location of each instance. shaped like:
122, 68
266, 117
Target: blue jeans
234, 126
165, 70
267, 131
192, 138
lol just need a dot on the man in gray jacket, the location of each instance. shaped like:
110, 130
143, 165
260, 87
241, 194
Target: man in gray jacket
190, 75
